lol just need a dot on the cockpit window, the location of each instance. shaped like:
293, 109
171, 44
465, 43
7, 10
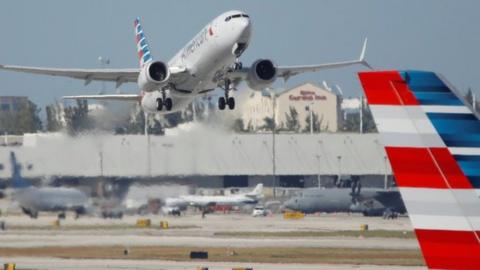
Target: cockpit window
236, 16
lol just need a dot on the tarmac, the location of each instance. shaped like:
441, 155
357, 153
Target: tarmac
192, 231
69, 264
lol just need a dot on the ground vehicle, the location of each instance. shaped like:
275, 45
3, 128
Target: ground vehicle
259, 211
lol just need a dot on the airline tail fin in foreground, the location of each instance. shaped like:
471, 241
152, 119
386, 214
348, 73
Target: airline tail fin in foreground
432, 141
17, 179
143, 49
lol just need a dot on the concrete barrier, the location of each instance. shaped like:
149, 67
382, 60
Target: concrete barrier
164, 225
198, 254
9, 266
364, 227
293, 215
56, 223
144, 223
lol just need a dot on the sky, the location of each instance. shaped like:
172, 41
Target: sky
437, 35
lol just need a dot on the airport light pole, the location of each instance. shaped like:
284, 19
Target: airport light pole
104, 61
339, 158
361, 114
318, 175
310, 108
385, 180
273, 96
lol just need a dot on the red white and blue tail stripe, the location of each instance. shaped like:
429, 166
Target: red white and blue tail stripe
432, 140
142, 46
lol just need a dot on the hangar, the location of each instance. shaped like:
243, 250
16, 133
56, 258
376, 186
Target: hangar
204, 157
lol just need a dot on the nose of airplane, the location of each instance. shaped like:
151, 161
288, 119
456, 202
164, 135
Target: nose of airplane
244, 26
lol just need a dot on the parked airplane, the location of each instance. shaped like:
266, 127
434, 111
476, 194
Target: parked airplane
44, 199
234, 200
431, 139
208, 61
369, 201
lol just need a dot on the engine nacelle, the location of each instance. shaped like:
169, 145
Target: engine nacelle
262, 74
153, 75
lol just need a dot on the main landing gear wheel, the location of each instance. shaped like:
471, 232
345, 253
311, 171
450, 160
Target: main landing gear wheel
226, 100
231, 103
159, 104
168, 104
221, 103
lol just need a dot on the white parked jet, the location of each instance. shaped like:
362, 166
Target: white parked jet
233, 200
208, 61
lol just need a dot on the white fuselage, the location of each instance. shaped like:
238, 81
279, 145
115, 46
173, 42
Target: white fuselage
208, 54
234, 200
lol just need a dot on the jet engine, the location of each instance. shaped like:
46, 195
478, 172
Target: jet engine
153, 75
262, 73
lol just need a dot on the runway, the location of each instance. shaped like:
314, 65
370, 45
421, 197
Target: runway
193, 232
69, 264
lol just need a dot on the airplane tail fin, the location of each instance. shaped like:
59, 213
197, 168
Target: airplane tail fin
143, 49
17, 179
258, 190
432, 142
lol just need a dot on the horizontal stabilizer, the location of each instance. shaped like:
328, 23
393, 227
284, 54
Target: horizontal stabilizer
118, 97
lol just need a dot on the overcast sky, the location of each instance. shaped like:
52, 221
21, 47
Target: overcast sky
437, 35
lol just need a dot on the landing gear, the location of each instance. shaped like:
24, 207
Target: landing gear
164, 101
226, 100
168, 104
159, 104
231, 103
221, 103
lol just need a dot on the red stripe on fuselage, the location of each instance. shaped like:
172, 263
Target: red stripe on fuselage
426, 168
386, 88
449, 249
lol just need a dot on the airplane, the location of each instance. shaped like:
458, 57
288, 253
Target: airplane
369, 201
430, 134
208, 61
33, 200
175, 205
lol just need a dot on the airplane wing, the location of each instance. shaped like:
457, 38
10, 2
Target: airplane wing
288, 71
125, 75
119, 97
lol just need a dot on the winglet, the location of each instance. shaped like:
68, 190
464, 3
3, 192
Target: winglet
362, 59
143, 49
